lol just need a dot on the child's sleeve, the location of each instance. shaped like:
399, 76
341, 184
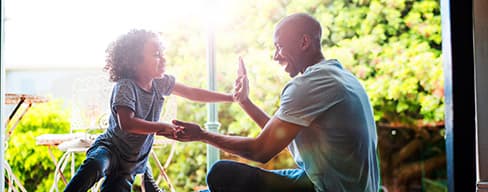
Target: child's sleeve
166, 84
124, 95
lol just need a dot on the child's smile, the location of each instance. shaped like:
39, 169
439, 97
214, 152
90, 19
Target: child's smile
153, 64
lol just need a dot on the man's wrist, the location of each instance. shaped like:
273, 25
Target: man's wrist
245, 102
204, 136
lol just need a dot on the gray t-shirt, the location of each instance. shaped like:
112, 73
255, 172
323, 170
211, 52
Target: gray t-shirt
337, 146
132, 150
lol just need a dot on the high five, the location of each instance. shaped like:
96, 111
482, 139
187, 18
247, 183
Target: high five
324, 119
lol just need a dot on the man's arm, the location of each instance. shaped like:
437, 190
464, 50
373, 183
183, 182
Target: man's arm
256, 114
200, 95
274, 137
241, 95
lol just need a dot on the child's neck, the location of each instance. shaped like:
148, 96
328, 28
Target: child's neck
145, 84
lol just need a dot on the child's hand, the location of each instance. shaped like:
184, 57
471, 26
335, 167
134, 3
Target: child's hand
172, 132
189, 131
241, 85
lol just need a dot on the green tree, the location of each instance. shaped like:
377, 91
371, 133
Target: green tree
393, 46
31, 163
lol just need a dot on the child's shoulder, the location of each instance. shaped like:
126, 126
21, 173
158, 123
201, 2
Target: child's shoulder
165, 79
165, 84
124, 82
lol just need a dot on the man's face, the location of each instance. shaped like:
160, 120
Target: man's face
286, 52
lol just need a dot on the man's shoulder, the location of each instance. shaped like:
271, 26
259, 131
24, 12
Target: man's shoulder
318, 74
323, 68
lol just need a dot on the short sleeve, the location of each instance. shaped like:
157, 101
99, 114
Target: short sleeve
305, 98
165, 85
124, 95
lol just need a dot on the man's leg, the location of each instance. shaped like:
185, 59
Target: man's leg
93, 168
288, 180
230, 176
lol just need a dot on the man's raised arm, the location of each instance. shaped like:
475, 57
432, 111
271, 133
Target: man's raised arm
241, 95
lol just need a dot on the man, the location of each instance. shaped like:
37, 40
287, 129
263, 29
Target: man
324, 118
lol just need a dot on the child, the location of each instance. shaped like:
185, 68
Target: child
135, 61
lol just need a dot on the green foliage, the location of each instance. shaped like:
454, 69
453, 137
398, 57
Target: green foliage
31, 163
398, 59
393, 46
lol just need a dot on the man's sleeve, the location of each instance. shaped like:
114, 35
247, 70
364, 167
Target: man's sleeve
304, 99
124, 95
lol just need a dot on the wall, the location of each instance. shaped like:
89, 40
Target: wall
481, 86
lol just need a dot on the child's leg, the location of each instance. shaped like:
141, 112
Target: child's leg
230, 176
118, 182
93, 168
149, 183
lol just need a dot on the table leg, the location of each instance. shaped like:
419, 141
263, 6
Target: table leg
11, 129
56, 164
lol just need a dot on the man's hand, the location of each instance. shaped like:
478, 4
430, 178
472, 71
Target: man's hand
171, 132
242, 69
241, 85
189, 131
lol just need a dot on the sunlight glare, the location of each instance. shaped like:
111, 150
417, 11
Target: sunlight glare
57, 33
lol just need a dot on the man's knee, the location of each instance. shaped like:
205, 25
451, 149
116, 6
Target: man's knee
218, 171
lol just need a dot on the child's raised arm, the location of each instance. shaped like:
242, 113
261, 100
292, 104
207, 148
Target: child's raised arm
201, 95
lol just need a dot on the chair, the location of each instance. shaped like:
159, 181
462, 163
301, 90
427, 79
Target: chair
89, 117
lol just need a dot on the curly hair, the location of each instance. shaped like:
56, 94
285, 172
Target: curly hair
124, 54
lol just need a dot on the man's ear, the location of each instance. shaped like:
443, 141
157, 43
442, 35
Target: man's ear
305, 42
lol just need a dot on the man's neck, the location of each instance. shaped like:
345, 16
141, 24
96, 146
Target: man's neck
317, 58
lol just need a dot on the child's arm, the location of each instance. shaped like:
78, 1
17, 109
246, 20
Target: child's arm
200, 95
132, 124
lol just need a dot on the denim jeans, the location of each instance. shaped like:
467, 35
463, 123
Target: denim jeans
100, 163
230, 176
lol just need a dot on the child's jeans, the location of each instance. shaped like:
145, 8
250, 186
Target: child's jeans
230, 176
98, 164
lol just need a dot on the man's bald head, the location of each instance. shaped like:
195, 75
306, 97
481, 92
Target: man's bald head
299, 24
297, 42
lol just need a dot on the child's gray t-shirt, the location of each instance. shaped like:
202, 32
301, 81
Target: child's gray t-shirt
132, 150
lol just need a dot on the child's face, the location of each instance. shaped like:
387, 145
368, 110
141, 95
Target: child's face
153, 59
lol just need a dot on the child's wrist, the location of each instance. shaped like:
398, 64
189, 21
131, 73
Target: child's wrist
230, 97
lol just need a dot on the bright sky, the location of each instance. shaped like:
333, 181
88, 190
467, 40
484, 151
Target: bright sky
75, 33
